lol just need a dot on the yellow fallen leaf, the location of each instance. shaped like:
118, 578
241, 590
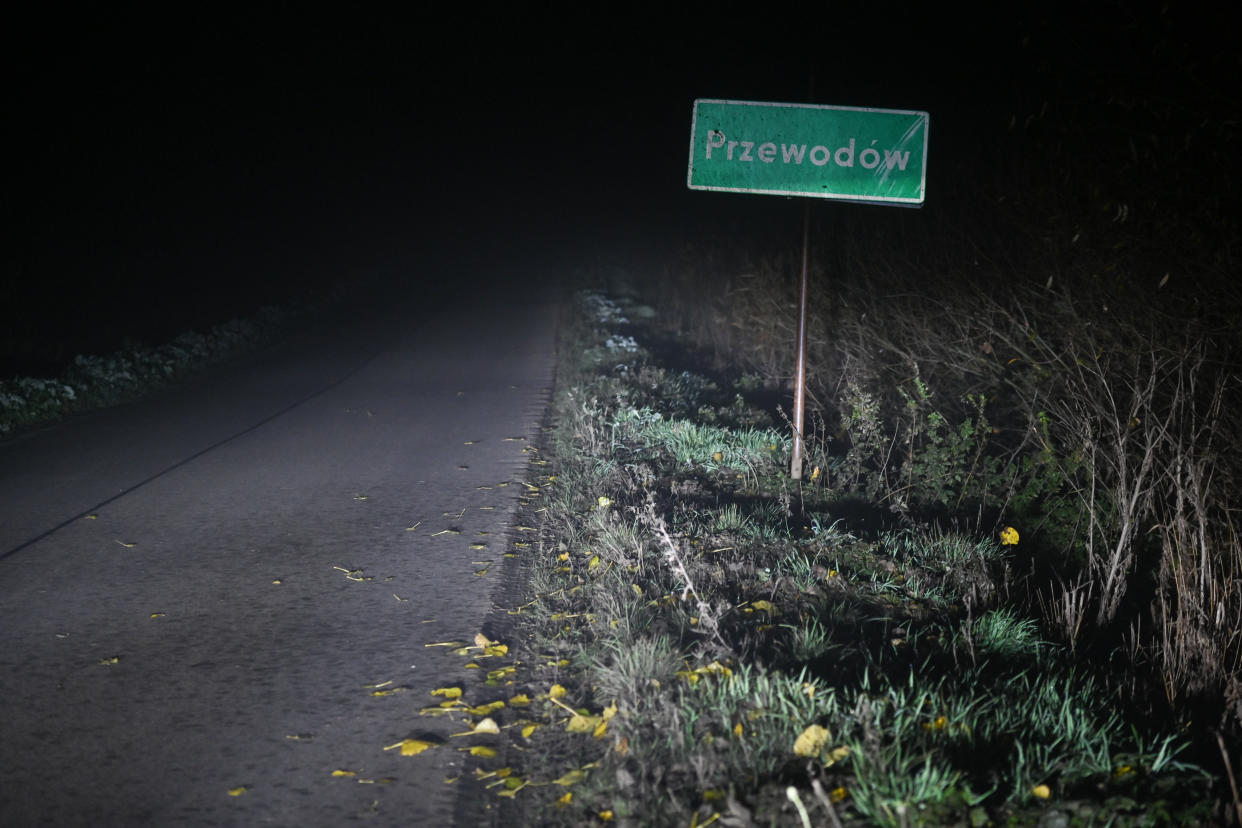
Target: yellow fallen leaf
565, 800
838, 794
483, 750
601, 730
520, 700
1009, 536
837, 755
608, 712
556, 691
487, 726
738, 730
1041, 791
339, 772
811, 741
582, 724
411, 747
238, 791
447, 692
605, 816
571, 778
481, 640
766, 606
527, 730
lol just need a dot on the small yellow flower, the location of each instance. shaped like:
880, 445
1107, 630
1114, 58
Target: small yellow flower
603, 502
1009, 536
1041, 791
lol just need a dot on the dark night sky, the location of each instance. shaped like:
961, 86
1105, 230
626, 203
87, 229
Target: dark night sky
222, 157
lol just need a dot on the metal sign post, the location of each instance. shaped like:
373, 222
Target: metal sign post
795, 465
841, 153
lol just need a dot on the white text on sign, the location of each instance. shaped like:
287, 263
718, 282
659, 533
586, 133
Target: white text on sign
769, 152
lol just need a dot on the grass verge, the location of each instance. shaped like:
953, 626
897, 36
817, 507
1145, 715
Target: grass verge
703, 641
91, 381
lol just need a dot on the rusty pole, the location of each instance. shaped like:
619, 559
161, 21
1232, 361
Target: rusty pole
795, 470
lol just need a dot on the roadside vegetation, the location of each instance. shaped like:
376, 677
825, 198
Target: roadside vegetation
92, 381
1007, 589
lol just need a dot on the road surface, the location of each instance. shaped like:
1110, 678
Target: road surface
208, 596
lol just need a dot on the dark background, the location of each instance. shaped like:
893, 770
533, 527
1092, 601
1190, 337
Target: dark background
170, 168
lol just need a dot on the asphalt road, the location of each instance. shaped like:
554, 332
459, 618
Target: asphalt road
201, 592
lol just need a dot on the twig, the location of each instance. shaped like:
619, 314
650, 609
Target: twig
1233, 783
826, 801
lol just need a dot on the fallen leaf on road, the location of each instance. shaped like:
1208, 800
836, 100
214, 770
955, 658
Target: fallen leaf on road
392, 691
411, 747
484, 726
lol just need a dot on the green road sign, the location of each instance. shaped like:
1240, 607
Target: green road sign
838, 152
